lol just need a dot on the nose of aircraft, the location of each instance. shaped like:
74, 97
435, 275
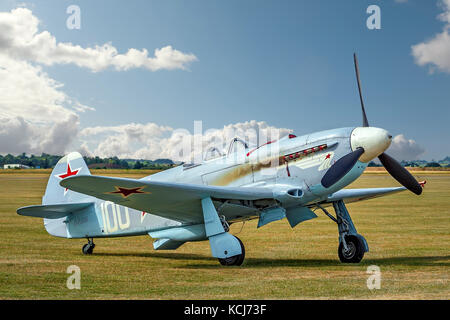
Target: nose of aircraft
374, 141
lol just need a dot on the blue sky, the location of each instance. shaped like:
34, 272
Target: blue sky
287, 63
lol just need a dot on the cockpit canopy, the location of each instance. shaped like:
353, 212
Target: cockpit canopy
214, 152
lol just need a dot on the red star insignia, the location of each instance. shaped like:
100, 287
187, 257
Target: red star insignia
67, 174
126, 192
143, 216
328, 156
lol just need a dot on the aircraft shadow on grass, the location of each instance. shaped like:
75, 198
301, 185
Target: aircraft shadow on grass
436, 261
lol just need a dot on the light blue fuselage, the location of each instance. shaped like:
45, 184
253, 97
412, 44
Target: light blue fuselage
106, 219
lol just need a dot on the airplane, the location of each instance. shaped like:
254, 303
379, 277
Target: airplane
289, 178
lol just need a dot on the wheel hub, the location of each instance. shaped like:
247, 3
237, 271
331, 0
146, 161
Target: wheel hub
350, 251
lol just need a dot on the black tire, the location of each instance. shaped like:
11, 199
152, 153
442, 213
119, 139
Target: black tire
234, 260
88, 248
355, 251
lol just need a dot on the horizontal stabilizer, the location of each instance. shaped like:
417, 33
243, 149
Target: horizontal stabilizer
53, 211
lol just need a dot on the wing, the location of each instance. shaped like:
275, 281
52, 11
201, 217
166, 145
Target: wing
177, 201
353, 195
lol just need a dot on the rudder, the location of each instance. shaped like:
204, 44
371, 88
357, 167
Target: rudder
68, 166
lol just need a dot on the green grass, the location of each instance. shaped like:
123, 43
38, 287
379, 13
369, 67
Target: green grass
408, 236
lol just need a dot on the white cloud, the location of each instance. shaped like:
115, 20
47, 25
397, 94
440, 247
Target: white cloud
36, 115
136, 131
17, 135
151, 141
405, 149
436, 51
445, 16
20, 37
28, 92
122, 140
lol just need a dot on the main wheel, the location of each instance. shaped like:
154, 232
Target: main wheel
234, 260
354, 252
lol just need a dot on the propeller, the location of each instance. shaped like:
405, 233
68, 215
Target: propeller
341, 167
400, 174
365, 122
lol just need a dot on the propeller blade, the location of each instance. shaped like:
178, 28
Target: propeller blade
365, 122
400, 174
341, 168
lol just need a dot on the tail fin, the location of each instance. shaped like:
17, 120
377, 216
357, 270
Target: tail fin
71, 165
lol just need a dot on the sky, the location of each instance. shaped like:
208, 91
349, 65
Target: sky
135, 76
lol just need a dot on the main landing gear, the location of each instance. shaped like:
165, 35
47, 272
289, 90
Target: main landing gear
235, 260
88, 248
227, 248
352, 245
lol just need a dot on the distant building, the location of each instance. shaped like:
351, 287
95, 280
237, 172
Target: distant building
15, 166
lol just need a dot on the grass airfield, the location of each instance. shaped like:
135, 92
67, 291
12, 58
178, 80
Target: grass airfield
408, 236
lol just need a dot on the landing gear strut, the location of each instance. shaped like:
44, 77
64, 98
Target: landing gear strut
352, 245
88, 248
227, 248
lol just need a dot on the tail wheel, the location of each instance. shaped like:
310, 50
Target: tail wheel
88, 248
354, 252
234, 260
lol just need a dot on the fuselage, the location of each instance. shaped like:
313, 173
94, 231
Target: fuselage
292, 167
292, 161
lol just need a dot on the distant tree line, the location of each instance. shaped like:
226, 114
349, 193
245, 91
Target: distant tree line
45, 161
418, 163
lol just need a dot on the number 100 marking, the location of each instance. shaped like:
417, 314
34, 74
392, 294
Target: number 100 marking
116, 218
